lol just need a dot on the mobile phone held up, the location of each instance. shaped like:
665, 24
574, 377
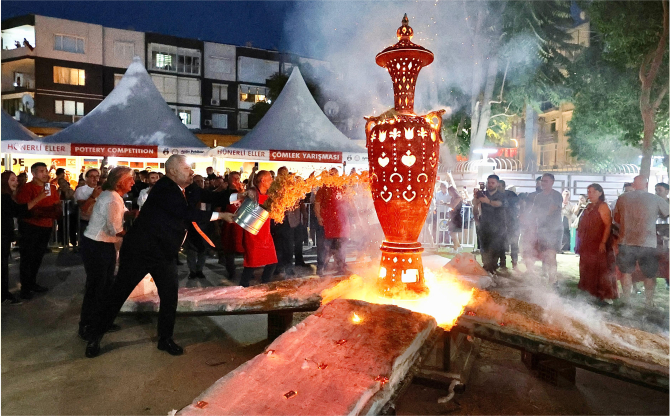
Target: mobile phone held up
47, 189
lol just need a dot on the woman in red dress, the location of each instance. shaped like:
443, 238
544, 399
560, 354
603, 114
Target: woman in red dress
596, 258
259, 250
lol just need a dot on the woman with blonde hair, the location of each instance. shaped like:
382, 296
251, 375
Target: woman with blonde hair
98, 244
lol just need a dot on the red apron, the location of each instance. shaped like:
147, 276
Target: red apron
259, 250
231, 234
334, 212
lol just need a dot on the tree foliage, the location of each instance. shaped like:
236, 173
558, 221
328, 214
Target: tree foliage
622, 82
519, 53
606, 122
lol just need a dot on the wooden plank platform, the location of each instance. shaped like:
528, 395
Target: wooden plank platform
326, 365
610, 349
291, 295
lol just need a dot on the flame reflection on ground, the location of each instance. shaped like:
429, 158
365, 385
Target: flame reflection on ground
445, 302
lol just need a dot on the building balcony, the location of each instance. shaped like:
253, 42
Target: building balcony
21, 52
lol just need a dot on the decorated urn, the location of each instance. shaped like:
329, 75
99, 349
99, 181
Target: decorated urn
403, 153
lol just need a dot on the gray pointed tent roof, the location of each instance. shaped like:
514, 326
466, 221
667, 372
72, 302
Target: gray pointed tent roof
134, 113
295, 122
13, 130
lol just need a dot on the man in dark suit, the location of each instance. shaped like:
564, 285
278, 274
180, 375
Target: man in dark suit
151, 246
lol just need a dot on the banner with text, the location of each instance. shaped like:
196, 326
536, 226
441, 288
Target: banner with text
305, 156
242, 154
113, 150
35, 148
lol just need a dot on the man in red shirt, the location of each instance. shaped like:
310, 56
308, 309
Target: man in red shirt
36, 228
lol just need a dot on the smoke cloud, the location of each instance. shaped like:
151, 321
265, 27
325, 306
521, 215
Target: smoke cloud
350, 34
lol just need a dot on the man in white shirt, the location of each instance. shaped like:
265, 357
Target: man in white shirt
144, 193
86, 196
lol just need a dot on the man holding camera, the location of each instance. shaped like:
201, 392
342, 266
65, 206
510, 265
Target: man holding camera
488, 207
36, 228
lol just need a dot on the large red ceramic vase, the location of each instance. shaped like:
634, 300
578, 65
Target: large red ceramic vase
403, 153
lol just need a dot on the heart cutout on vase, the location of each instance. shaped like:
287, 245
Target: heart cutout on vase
408, 159
383, 161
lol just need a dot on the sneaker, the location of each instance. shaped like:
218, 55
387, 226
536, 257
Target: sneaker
200, 275
192, 275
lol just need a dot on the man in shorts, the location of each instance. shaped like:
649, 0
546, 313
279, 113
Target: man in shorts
636, 213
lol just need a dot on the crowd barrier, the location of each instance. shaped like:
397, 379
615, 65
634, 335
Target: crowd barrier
67, 231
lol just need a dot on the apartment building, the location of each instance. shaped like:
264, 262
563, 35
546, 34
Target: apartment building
60, 70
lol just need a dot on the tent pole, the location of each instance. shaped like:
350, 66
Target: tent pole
8, 161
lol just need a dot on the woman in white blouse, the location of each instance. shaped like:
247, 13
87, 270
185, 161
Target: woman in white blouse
98, 250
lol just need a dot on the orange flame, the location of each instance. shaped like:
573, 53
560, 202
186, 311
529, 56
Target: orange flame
445, 302
356, 319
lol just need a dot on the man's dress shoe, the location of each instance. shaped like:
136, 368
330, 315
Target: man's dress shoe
169, 346
93, 347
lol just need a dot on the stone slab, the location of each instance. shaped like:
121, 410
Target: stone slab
334, 365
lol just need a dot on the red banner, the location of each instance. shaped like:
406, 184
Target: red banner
302, 156
113, 151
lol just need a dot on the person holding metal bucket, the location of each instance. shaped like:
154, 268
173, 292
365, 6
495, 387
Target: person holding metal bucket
257, 245
151, 247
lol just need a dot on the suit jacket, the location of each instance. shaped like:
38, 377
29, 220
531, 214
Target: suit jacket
160, 228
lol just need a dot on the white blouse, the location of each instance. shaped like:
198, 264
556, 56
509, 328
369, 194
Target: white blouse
107, 218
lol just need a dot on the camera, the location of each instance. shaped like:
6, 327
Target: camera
479, 192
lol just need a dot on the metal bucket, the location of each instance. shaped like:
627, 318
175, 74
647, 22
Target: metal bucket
251, 216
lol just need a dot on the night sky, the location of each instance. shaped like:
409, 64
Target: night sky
231, 22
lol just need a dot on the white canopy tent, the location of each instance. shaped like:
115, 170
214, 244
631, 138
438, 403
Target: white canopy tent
296, 123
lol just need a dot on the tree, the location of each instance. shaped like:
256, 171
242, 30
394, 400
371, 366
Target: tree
499, 31
606, 114
635, 35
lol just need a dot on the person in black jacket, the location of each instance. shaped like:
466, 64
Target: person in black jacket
151, 246
11, 210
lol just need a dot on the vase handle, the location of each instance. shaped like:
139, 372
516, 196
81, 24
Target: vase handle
437, 115
372, 122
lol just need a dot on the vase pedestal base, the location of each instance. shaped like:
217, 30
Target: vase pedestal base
401, 271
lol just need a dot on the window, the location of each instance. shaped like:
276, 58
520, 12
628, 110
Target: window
124, 50
117, 79
185, 116
252, 94
67, 43
219, 92
244, 121
220, 121
70, 76
552, 126
173, 59
69, 108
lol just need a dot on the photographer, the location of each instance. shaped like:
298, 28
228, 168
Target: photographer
488, 207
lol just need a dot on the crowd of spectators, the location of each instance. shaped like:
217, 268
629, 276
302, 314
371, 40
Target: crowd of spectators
537, 225
625, 241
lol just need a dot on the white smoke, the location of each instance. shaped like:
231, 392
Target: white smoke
350, 34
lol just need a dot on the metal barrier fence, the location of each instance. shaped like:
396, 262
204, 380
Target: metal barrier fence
435, 231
